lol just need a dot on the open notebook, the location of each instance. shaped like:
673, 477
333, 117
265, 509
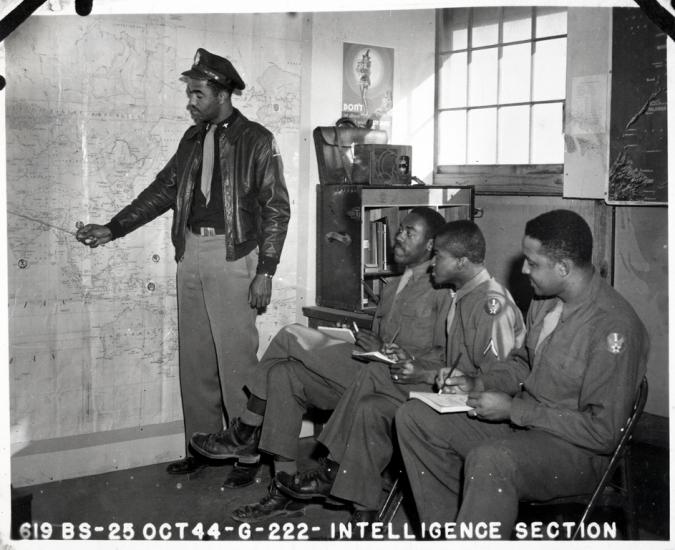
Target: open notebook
372, 356
443, 402
339, 333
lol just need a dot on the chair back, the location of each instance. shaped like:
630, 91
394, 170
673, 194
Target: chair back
617, 458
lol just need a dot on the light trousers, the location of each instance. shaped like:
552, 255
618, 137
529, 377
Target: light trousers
217, 335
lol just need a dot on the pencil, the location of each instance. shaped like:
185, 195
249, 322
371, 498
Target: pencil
452, 370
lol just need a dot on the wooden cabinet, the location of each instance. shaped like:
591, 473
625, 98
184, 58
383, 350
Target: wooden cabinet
356, 227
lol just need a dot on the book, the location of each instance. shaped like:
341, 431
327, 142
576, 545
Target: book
372, 356
370, 248
443, 402
339, 333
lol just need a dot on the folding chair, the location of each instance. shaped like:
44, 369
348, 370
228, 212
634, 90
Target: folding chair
616, 484
393, 501
606, 489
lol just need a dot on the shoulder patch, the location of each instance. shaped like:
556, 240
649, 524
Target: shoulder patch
615, 342
493, 305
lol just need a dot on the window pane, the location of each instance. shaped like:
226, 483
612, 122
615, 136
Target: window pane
482, 146
483, 77
514, 135
511, 59
514, 73
455, 29
549, 69
452, 137
485, 28
452, 81
550, 21
547, 134
517, 24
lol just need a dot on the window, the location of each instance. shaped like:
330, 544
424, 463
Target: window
501, 85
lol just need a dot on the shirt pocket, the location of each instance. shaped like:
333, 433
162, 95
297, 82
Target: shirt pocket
561, 374
417, 326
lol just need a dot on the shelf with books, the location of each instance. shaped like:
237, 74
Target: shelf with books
356, 231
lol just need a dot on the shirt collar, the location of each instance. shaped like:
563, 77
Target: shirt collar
478, 279
586, 298
420, 270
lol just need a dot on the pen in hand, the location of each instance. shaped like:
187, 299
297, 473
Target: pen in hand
393, 338
452, 370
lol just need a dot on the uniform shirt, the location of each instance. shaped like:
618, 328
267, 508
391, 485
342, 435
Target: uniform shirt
581, 383
417, 313
486, 327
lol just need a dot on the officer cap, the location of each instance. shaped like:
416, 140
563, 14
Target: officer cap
208, 66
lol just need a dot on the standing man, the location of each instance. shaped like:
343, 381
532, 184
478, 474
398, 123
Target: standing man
484, 325
302, 367
226, 186
544, 422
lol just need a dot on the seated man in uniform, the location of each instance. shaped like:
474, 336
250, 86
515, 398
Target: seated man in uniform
302, 367
545, 421
483, 326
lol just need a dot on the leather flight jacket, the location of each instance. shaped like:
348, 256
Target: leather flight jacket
255, 198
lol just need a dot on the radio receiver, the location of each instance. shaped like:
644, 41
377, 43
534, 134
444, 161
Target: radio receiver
382, 164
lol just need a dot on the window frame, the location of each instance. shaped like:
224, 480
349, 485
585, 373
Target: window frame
521, 179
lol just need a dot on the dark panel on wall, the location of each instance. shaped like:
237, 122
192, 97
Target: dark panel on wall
641, 275
639, 126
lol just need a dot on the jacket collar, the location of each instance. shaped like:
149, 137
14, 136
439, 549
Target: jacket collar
197, 131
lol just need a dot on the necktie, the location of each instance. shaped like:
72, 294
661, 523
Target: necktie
550, 322
404, 280
451, 313
207, 163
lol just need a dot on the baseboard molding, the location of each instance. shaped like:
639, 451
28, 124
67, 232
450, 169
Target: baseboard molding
89, 454
98, 453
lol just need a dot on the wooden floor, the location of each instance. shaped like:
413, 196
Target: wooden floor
155, 505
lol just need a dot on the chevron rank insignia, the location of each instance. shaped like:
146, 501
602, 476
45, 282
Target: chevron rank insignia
492, 306
615, 342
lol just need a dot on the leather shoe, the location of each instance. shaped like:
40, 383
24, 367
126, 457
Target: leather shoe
188, 465
273, 504
312, 484
242, 475
230, 443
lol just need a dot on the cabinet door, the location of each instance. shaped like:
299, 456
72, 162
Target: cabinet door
338, 275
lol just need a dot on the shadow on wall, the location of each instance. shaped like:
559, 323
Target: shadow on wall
518, 284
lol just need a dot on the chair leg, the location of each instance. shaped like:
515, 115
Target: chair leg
392, 503
630, 511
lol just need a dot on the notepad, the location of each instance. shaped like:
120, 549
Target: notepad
339, 333
372, 356
443, 402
